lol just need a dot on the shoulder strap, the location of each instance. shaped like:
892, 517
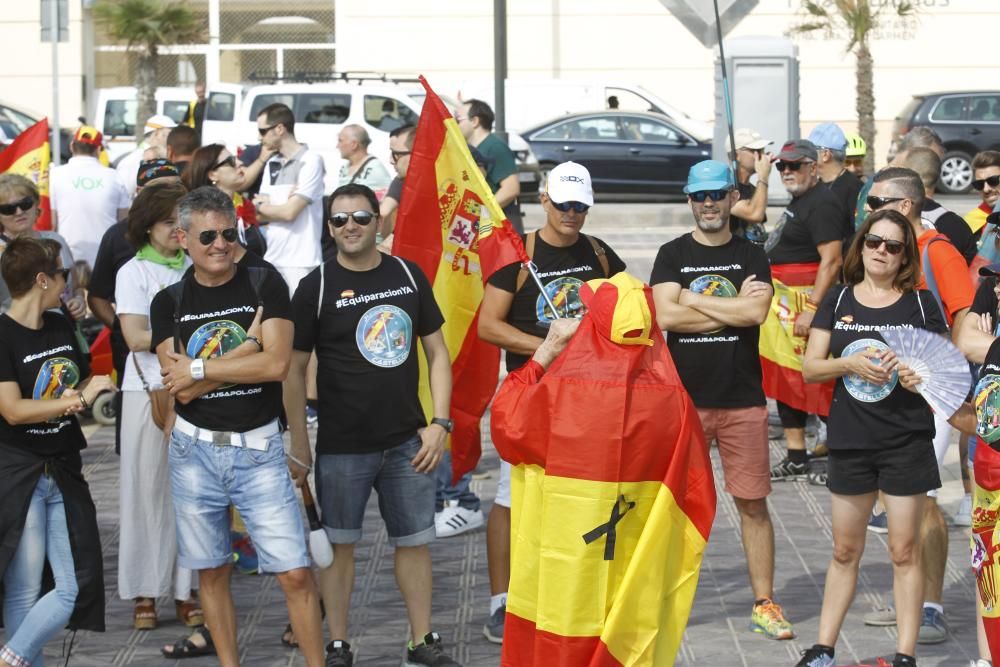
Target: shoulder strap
361, 168
322, 286
602, 257
257, 275
839, 298
920, 302
176, 292
529, 249
928, 269
408, 273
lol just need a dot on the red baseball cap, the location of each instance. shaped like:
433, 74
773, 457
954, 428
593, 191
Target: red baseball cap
88, 135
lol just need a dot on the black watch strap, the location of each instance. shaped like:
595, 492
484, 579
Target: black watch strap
446, 424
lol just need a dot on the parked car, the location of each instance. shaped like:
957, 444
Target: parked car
15, 120
630, 154
967, 122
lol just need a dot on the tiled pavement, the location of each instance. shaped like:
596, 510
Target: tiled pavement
716, 634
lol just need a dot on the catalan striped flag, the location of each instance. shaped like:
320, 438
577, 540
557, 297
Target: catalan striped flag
28, 155
781, 351
450, 224
612, 490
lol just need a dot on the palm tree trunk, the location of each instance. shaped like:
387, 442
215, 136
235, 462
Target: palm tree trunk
145, 84
865, 102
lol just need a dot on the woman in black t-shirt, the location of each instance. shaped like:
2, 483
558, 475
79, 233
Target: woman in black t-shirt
880, 429
45, 497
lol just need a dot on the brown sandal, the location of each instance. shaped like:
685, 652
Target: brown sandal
189, 612
144, 616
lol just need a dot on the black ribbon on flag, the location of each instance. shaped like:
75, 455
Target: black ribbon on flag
617, 513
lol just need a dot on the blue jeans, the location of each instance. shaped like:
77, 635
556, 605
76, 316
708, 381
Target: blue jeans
30, 621
460, 492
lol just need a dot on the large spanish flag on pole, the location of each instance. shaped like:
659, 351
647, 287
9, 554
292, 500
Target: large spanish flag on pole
781, 351
612, 490
450, 224
28, 155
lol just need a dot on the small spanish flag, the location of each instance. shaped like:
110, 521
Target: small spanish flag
28, 155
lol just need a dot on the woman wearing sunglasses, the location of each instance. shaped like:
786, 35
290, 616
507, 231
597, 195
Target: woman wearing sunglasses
18, 213
215, 165
880, 429
46, 512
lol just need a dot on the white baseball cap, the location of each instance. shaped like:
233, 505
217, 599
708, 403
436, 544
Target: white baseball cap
570, 181
158, 122
747, 138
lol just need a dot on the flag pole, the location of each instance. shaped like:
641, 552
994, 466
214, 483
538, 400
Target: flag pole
533, 270
725, 85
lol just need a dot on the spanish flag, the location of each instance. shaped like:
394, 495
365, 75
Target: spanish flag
612, 489
985, 545
28, 155
781, 351
450, 224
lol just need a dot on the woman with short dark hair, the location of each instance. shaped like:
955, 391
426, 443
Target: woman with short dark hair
46, 512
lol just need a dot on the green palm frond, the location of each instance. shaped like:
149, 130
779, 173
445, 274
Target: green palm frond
146, 24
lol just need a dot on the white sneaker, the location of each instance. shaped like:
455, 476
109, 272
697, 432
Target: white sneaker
982, 662
454, 520
963, 517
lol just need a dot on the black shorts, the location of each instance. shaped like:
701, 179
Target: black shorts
908, 470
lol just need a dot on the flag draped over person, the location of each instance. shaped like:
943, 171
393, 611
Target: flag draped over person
613, 494
450, 224
28, 155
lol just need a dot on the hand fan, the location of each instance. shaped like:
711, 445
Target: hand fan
943, 370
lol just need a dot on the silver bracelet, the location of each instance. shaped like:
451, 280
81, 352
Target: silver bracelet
297, 462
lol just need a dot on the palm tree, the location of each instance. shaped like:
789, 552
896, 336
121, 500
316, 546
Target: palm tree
858, 18
145, 26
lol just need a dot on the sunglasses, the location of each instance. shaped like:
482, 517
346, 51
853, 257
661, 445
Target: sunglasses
396, 155
577, 206
265, 130
338, 220
875, 203
781, 165
208, 236
714, 195
980, 183
872, 242
23, 205
228, 162
61, 272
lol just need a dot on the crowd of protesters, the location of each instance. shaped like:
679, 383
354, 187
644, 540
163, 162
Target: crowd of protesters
233, 317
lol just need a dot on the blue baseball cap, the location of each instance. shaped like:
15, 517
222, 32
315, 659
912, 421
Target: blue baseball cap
709, 175
829, 135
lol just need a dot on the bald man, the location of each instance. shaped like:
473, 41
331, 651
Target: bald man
359, 166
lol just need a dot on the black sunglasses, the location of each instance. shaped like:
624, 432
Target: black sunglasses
398, 154
577, 206
265, 130
873, 241
338, 220
228, 162
980, 183
208, 236
25, 204
61, 272
875, 203
715, 195
781, 165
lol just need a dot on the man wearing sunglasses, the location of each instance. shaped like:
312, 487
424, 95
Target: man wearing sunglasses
511, 317
986, 181
750, 212
806, 252
712, 292
223, 336
291, 196
363, 313
400, 147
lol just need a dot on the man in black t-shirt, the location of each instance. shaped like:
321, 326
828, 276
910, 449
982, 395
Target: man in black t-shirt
750, 212
363, 313
511, 315
223, 337
712, 291
831, 152
807, 241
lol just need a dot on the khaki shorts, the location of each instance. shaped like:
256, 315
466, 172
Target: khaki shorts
742, 437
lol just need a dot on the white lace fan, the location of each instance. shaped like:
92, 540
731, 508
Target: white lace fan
943, 370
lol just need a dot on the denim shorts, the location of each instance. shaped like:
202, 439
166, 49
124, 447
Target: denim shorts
344, 483
206, 478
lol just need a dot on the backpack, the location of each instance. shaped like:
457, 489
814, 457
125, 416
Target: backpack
529, 248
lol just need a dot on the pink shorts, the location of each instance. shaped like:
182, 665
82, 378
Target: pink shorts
742, 437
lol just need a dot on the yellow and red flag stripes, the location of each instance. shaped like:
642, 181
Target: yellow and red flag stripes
28, 155
449, 223
985, 539
781, 350
612, 493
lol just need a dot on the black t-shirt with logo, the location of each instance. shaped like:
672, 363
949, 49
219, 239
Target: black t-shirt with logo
865, 415
563, 271
366, 344
811, 219
720, 369
214, 320
986, 397
44, 363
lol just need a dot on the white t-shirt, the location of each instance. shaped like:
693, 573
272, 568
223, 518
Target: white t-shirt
296, 243
128, 170
87, 196
371, 173
137, 283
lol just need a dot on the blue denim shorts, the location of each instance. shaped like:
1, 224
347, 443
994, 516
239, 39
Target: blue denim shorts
206, 478
344, 483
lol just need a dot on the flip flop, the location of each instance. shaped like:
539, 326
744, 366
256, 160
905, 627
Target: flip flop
288, 637
185, 648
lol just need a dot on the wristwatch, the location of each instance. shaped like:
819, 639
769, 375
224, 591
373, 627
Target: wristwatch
446, 424
254, 339
198, 369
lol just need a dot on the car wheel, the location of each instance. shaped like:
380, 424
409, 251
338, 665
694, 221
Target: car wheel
956, 173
